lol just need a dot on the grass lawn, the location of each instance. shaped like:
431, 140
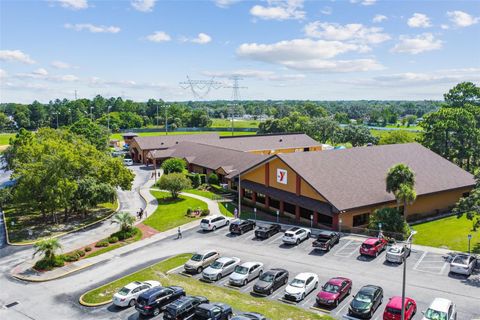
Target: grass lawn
237, 300
227, 123
170, 213
5, 138
24, 220
380, 133
450, 232
204, 193
221, 133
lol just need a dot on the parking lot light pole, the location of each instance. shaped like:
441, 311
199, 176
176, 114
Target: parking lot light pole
469, 239
412, 233
278, 216
311, 221
340, 225
255, 212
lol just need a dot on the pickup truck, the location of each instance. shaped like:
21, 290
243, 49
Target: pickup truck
213, 311
326, 240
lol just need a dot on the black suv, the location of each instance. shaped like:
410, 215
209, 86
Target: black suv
366, 302
154, 300
326, 240
270, 281
241, 226
183, 308
213, 311
265, 231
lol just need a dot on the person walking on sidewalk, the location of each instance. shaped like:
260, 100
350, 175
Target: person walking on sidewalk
179, 233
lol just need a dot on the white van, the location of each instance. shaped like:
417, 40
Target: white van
213, 222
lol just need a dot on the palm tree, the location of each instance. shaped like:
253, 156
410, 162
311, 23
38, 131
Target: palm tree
124, 219
405, 194
47, 247
400, 176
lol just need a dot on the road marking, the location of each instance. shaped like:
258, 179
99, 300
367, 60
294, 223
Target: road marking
281, 291
340, 252
248, 287
343, 307
420, 260
443, 268
275, 239
308, 301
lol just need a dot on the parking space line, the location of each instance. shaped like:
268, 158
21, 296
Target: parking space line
344, 246
419, 260
347, 246
275, 239
346, 302
248, 287
308, 301
280, 291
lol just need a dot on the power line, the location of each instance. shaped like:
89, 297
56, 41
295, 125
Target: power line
200, 88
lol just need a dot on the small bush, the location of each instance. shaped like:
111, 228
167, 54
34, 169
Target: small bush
112, 239
205, 212
203, 178
44, 264
189, 211
88, 249
80, 253
102, 243
71, 257
212, 178
125, 234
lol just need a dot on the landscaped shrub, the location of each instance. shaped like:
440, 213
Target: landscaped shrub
49, 264
194, 179
125, 234
203, 178
88, 249
205, 212
212, 178
189, 211
80, 253
102, 243
112, 239
71, 257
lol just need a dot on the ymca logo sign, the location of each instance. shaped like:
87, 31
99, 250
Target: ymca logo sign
282, 176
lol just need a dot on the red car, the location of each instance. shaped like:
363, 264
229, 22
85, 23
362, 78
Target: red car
334, 291
393, 310
373, 246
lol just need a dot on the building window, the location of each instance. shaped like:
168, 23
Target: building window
305, 213
288, 207
306, 149
275, 204
247, 194
325, 220
360, 219
261, 198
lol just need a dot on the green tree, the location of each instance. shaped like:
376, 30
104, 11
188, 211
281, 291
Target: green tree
5, 196
463, 93
124, 219
174, 183
470, 206
401, 182
174, 165
397, 136
323, 130
391, 220
357, 135
341, 117
97, 135
47, 248
212, 178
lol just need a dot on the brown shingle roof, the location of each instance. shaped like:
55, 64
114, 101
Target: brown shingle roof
168, 141
211, 157
355, 177
265, 142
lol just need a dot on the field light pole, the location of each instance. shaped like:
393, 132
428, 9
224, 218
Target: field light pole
409, 241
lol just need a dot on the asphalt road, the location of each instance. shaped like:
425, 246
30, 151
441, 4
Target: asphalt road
427, 276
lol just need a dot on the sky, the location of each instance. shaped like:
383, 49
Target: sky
280, 49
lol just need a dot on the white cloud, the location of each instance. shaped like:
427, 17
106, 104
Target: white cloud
3, 74
74, 4
418, 44
225, 3
60, 65
202, 38
279, 10
92, 28
419, 20
40, 72
462, 19
308, 55
445, 26
364, 2
159, 36
379, 18
43, 74
354, 32
326, 11
143, 5
15, 55
256, 74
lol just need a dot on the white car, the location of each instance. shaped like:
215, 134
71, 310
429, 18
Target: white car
127, 296
440, 309
213, 223
397, 253
462, 264
245, 273
221, 267
301, 285
128, 162
296, 235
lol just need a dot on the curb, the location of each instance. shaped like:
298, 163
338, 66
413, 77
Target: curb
86, 304
16, 244
53, 278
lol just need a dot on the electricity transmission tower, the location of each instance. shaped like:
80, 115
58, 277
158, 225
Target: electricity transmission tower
235, 95
200, 88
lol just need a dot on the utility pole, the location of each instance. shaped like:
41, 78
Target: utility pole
404, 282
157, 114
235, 95
200, 88
166, 120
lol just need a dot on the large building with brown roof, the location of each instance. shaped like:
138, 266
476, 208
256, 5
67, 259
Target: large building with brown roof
346, 186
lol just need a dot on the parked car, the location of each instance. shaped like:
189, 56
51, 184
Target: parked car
183, 308
373, 246
366, 302
397, 253
213, 311
213, 223
393, 310
127, 296
265, 231
249, 316
462, 264
334, 291
201, 260
221, 267
326, 240
241, 226
128, 162
245, 273
442, 309
270, 281
301, 286
295, 235
154, 300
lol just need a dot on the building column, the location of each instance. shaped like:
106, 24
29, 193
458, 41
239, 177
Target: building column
315, 218
298, 185
282, 206
297, 212
242, 192
267, 202
267, 174
335, 219
254, 197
